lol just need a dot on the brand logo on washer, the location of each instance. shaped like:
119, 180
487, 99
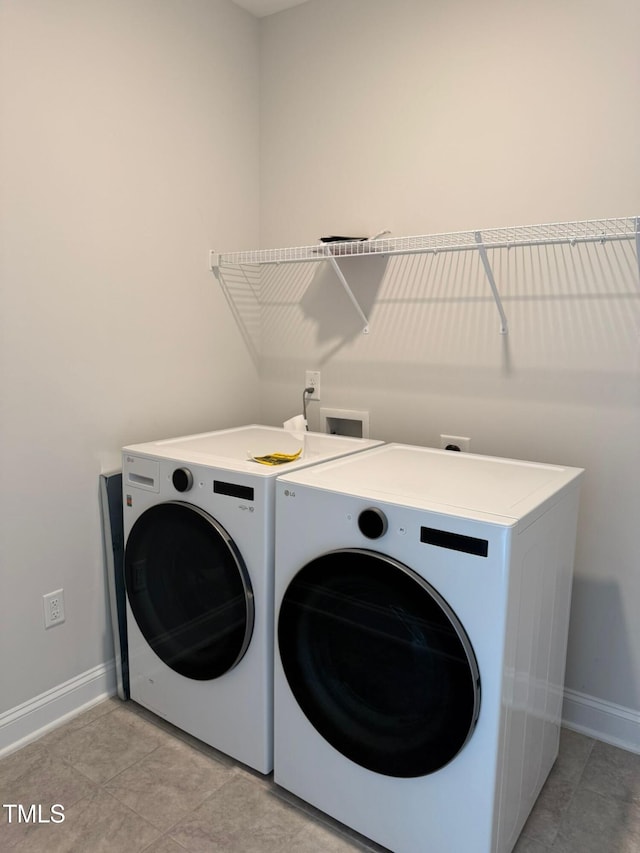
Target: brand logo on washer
245, 507
289, 493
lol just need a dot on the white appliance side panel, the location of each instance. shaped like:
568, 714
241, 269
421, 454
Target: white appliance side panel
537, 629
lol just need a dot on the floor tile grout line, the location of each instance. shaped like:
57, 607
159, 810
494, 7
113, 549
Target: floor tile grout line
167, 830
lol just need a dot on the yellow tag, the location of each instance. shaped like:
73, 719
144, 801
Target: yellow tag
276, 458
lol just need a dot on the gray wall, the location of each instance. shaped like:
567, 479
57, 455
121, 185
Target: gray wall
129, 146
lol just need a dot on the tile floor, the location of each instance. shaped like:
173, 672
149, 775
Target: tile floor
131, 783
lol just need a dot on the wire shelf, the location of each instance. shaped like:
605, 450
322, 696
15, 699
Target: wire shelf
572, 233
557, 233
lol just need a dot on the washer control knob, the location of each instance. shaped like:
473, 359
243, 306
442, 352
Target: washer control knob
372, 523
182, 479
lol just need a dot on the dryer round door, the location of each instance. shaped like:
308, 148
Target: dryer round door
378, 662
189, 590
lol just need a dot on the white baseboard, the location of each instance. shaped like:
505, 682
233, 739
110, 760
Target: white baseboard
29, 721
602, 720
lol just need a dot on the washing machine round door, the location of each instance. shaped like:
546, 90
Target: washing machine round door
189, 590
378, 662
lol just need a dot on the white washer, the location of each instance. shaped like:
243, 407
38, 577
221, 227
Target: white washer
199, 540
422, 603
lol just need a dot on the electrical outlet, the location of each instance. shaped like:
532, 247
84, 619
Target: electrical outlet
312, 380
53, 608
455, 442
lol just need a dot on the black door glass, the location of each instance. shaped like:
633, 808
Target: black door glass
379, 663
189, 590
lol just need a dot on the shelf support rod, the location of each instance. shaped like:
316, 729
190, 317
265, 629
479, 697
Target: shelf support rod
504, 329
348, 291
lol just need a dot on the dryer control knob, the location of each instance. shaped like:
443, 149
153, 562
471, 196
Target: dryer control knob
372, 523
182, 479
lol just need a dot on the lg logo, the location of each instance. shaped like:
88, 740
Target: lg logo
17, 813
289, 493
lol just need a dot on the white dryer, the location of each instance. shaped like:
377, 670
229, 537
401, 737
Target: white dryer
422, 604
199, 548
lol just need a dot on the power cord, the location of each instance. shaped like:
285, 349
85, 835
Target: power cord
306, 391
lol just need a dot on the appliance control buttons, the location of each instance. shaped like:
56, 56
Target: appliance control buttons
372, 523
182, 479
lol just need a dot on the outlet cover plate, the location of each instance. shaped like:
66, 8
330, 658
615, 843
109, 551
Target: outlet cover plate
312, 380
53, 608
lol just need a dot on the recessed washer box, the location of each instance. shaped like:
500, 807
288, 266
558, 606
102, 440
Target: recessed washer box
345, 422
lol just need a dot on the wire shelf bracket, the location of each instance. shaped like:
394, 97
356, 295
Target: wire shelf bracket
504, 328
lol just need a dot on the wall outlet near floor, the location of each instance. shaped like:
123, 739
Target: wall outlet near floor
53, 608
455, 442
312, 380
